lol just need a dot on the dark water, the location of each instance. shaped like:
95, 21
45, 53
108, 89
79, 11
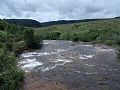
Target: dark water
74, 66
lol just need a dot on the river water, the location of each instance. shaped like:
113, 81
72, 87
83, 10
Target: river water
66, 65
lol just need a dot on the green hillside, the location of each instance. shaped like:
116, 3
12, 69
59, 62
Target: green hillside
101, 31
60, 22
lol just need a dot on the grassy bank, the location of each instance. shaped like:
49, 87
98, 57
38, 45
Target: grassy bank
13, 40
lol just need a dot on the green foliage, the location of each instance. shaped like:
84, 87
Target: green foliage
65, 36
103, 31
18, 47
37, 39
13, 40
54, 35
29, 37
10, 76
2, 25
75, 37
3, 36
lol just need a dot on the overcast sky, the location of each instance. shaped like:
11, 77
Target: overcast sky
50, 10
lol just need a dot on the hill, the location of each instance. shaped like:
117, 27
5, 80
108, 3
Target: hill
60, 22
105, 31
36, 24
24, 22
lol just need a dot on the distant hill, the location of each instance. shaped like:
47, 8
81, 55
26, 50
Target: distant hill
36, 24
51, 23
24, 22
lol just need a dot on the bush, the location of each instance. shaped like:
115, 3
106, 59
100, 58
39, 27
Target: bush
75, 38
10, 76
2, 25
54, 35
3, 36
29, 37
65, 36
18, 47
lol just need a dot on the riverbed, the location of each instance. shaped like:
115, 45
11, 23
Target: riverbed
66, 65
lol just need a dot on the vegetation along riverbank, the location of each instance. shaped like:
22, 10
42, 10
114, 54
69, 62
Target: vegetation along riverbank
13, 40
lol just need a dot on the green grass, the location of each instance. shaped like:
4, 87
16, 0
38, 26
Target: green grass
103, 31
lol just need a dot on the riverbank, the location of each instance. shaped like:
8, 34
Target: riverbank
14, 39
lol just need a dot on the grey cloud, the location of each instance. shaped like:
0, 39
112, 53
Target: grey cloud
49, 10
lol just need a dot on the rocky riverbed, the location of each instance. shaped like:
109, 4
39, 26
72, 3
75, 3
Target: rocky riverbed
66, 65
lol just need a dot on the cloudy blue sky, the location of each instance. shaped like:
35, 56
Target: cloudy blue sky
50, 10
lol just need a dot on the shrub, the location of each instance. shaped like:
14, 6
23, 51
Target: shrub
29, 37
65, 36
54, 35
10, 76
18, 47
3, 36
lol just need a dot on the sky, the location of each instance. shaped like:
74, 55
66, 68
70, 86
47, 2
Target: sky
52, 10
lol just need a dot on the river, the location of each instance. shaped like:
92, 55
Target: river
66, 65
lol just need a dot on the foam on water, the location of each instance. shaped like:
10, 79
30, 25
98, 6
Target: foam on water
61, 60
28, 64
58, 62
44, 69
107, 50
45, 43
86, 56
30, 54
78, 71
60, 50
90, 65
89, 73
103, 49
87, 45
43, 54
33, 54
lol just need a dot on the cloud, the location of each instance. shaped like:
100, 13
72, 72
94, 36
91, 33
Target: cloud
49, 10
